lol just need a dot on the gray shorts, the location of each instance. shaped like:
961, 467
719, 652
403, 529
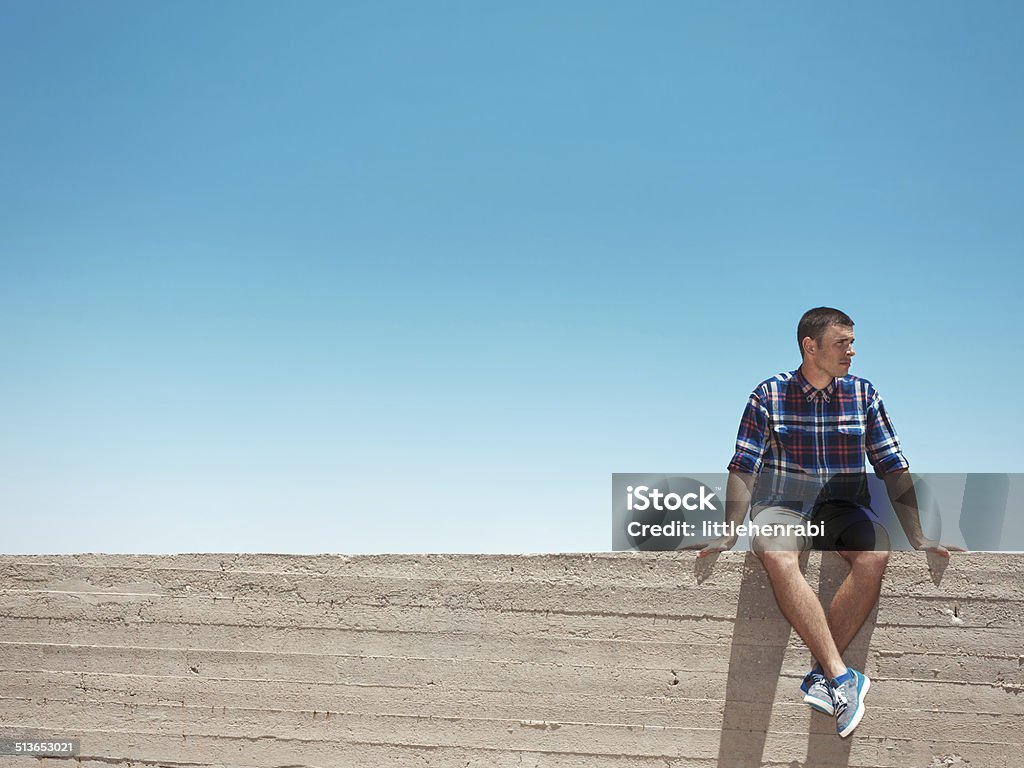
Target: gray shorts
843, 526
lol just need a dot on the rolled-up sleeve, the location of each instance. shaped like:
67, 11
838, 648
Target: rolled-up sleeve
883, 446
752, 438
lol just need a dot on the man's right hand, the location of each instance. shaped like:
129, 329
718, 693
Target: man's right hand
714, 546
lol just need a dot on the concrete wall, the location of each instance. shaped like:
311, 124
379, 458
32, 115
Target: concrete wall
625, 660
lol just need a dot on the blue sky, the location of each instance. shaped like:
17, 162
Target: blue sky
404, 277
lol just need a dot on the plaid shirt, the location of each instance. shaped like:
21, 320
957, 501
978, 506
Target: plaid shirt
809, 445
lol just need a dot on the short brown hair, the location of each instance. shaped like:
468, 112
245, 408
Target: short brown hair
815, 322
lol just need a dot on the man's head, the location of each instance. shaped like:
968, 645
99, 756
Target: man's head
825, 336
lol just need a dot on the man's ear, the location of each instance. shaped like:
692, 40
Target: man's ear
807, 344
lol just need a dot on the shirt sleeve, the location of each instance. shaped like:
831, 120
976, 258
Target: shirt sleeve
883, 445
752, 439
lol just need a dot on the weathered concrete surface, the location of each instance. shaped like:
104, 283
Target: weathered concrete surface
624, 660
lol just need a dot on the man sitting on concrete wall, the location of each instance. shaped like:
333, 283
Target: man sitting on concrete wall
800, 459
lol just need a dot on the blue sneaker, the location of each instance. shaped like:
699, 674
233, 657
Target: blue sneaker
818, 692
848, 692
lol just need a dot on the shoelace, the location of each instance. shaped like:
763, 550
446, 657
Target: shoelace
839, 700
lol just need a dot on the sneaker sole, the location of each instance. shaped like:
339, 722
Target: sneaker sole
819, 705
860, 710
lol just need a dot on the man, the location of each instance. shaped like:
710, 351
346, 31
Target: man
800, 458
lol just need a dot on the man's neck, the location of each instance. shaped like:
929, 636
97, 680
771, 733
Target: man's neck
815, 377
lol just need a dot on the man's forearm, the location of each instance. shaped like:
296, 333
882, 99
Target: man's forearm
737, 498
900, 487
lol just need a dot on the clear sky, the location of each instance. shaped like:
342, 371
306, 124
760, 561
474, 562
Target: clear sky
406, 276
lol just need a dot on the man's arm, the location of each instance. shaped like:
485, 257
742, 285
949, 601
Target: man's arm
900, 487
888, 460
751, 445
737, 500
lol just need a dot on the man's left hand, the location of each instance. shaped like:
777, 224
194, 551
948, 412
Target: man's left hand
933, 545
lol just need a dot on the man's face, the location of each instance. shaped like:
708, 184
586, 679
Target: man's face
834, 352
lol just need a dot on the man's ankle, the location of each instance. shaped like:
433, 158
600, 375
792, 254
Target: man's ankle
842, 678
838, 671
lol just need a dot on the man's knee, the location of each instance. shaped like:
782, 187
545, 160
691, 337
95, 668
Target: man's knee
778, 560
869, 561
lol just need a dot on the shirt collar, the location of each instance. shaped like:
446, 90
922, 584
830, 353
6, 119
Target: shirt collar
810, 392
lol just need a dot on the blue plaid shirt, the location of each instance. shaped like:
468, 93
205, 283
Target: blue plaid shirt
809, 445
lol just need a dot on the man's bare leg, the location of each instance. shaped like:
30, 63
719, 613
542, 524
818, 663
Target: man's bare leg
856, 596
801, 607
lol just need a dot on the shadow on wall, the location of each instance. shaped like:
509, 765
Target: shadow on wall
759, 643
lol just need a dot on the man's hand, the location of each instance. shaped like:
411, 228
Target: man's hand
714, 546
933, 545
737, 502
